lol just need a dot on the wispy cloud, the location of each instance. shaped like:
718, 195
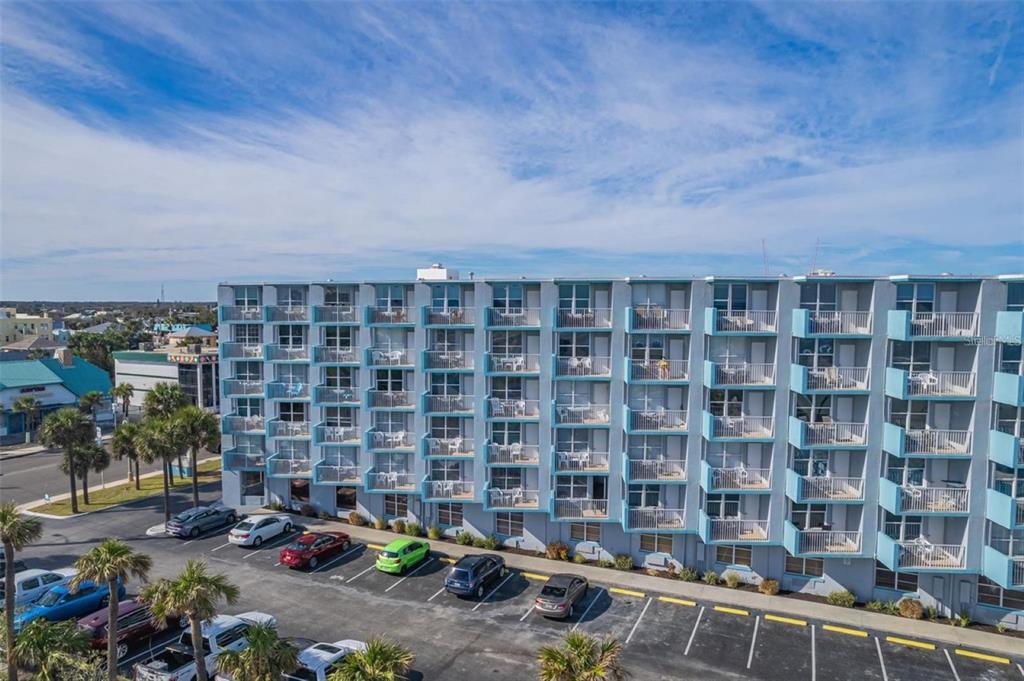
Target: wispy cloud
189, 143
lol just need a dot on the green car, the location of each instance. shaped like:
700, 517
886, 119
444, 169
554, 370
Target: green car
402, 554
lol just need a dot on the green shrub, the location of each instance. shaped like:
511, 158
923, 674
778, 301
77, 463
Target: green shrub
769, 587
579, 559
380, 523
688, 574
276, 506
491, 543
557, 550
463, 539
434, 532
732, 579
623, 561
961, 620
841, 598
911, 608
355, 518
931, 613
710, 577
480, 542
324, 515
891, 608
398, 525
874, 606
413, 529
604, 563
1002, 627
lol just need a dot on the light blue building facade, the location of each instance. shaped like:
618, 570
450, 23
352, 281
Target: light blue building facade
829, 432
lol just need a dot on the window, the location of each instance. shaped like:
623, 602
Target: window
445, 427
508, 296
644, 496
292, 411
247, 296
725, 402
444, 296
585, 532
233, 634
900, 581
390, 296
1009, 358
506, 478
573, 344
507, 343
809, 516
345, 498
449, 514
339, 416
1015, 297
574, 297
338, 377
816, 353
814, 408
291, 335
249, 406
909, 415
445, 384
507, 388
808, 567
991, 593
251, 483
506, 433
337, 296
338, 336
291, 296
390, 380
656, 543
911, 356
915, 297
247, 334
723, 505
818, 296
730, 297
646, 347
396, 504
733, 555
509, 524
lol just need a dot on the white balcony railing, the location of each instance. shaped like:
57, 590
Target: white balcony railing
338, 434
920, 553
449, 359
513, 454
502, 408
829, 541
740, 478
590, 318
656, 518
743, 426
838, 378
287, 353
659, 369
289, 466
955, 324
288, 313
734, 529
327, 394
514, 363
582, 414
751, 321
513, 498
236, 350
393, 480
938, 442
451, 316
657, 469
395, 439
391, 315
941, 383
390, 399
514, 316
242, 313
581, 508
241, 424
390, 357
280, 428
237, 460
449, 489
824, 488
240, 386
334, 473
656, 318
660, 419
288, 390
841, 322
914, 499
336, 314
450, 446
336, 354
818, 434
583, 366
744, 374
450, 403
568, 462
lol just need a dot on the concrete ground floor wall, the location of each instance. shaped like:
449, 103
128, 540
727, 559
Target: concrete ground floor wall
949, 594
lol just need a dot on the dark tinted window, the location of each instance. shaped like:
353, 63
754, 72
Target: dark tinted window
553, 591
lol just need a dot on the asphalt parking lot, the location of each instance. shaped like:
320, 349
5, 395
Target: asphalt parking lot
497, 636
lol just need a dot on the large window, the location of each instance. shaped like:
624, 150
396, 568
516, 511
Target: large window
506, 433
585, 532
816, 353
247, 296
390, 296
507, 387
915, 297
247, 334
507, 343
251, 483
1015, 297
725, 402
396, 505
818, 296
656, 543
732, 555
899, 581
291, 335
339, 416
644, 496
808, 516
574, 344
647, 347
338, 296
338, 336
449, 515
508, 524
814, 408
991, 593
808, 567
291, 296
909, 415
506, 478
910, 355
730, 297
574, 297
723, 505
508, 297
445, 296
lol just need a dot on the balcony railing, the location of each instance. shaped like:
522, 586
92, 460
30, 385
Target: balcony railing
301, 467
397, 439
938, 442
661, 420
390, 315
581, 508
591, 318
449, 359
450, 404
513, 408
655, 318
744, 374
234, 423
336, 314
326, 394
450, 446
750, 321
287, 353
582, 414
390, 399
333, 354
330, 473
820, 434
920, 553
515, 498
241, 313
239, 460
235, 350
448, 489
390, 357
914, 499
941, 383
738, 478
944, 324
234, 387
513, 454
338, 435
829, 541
582, 462
452, 316
732, 529
657, 469
390, 480
838, 378
279, 390
280, 428
743, 426
583, 366
840, 322
514, 363
656, 518
513, 316
288, 313
659, 370
827, 488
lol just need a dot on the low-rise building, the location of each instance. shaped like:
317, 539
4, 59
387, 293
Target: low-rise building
15, 326
194, 367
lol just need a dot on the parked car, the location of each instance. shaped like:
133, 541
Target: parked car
320, 660
31, 584
473, 574
61, 603
258, 529
19, 566
298, 642
402, 554
223, 632
194, 521
560, 594
310, 549
134, 626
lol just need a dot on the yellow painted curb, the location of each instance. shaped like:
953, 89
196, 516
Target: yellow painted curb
786, 620
844, 630
731, 611
627, 592
376, 547
677, 601
450, 560
534, 575
982, 656
910, 643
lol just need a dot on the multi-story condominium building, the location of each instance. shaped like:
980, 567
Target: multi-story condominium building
858, 433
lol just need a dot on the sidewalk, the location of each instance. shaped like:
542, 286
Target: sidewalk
698, 591
19, 451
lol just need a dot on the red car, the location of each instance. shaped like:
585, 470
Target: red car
134, 626
310, 549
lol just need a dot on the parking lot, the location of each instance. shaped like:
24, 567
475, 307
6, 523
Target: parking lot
497, 637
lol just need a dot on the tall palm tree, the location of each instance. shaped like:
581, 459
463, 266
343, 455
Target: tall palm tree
29, 406
113, 562
158, 441
90, 402
163, 400
266, 658
195, 594
16, 532
125, 445
383, 660
198, 429
46, 648
582, 657
86, 457
67, 429
123, 392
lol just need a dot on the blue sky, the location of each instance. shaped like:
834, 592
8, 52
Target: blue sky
189, 143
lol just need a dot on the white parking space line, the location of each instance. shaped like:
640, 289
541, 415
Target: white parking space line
220, 547
352, 579
493, 591
331, 562
637, 623
439, 592
694, 632
753, 642
881, 660
276, 542
527, 613
585, 612
425, 564
952, 666
814, 660
1020, 669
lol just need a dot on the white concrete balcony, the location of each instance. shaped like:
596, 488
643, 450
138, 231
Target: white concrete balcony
398, 481
456, 490
581, 462
922, 554
741, 478
514, 454
336, 354
815, 488
513, 316
737, 530
279, 428
936, 441
514, 408
658, 420
390, 357
749, 321
743, 427
236, 460
517, 363
396, 439
670, 470
288, 313
590, 318
336, 314
338, 435
234, 423
914, 499
390, 315
582, 414
657, 318
449, 359
656, 518
234, 350
390, 399
450, 446
583, 366
834, 434
580, 509
659, 369
326, 394
280, 390
949, 324
941, 383
235, 387
838, 378
452, 316
241, 313
335, 474
450, 404
841, 322
829, 541
300, 467
744, 374
513, 499
287, 353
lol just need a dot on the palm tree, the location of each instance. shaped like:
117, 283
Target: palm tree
89, 402
125, 445
582, 657
16, 532
266, 658
46, 647
194, 594
383, 660
123, 392
29, 406
87, 457
163, 400
198, 429
113, 562
67, 429
158, 441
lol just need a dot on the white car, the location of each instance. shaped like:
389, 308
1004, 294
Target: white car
257, 529
318, 661
31, 584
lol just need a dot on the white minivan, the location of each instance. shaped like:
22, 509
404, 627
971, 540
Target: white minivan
31, 584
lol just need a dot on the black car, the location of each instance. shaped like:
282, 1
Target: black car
472, 574
560, 594
19, 566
